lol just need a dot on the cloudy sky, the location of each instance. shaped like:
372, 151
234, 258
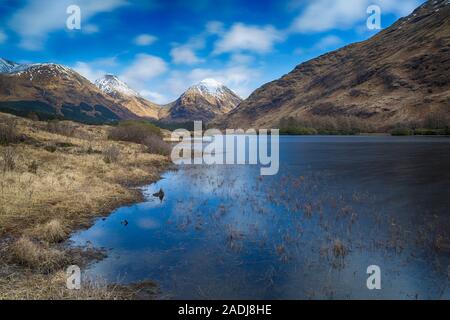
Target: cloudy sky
161, 47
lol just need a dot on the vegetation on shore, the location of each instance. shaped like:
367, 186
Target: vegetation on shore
56, 177
435, 124
420, 132
324, 125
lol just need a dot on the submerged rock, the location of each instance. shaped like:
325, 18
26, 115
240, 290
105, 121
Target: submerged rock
159, 194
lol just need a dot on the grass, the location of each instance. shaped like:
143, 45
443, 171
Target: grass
420, 132
324, 125
53, 231
53, 181
40, 257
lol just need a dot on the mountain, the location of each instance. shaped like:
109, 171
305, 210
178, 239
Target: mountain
203, 101
127, 97
7, 66
52, 90
400, 76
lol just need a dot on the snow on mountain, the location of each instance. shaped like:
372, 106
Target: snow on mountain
127, 97
48, 69
210, 87
7, 66
204, 101
113, 86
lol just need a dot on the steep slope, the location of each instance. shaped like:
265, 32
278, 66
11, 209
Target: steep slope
51, 90
399, 76
203, 101
127, 97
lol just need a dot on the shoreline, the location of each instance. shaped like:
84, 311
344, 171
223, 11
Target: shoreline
59, 182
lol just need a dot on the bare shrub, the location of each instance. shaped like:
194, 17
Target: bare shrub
61, 127
156, 145
9, 159
8, 132
133, 131
325, 125
143, 133
111, 154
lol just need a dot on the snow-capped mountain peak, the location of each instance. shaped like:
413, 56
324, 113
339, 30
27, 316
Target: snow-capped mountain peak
11, 67
113, 86
7, 66
211, 87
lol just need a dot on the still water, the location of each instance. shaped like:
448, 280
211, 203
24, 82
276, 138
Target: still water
337, 206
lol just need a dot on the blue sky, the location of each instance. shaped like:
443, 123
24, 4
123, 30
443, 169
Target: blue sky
161, 47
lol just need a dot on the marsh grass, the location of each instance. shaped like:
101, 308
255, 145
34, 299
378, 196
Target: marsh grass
36, 286
8, 157
111, 154
47, 192
8, 131
36, 256
53, 231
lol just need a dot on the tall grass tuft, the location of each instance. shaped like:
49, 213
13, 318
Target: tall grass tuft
8, 157
8, 132
111, 154
36, 256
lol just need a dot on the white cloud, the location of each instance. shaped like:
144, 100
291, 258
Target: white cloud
243, 37
144, 67
88, 71
38, 18
214, 27
90, 29
106, 62
238, 78
154, 96
239, 58
184, 55
145, 39
327, 42
3, 36
323, 15
400, 8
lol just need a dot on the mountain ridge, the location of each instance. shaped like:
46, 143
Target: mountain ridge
399, 76
53, 90
202, 101
127, 97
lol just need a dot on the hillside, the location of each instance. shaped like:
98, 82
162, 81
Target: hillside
58, 176
204, 101
51, 90
127, 97
399, 77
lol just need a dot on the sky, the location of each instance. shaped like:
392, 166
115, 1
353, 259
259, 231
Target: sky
161, 47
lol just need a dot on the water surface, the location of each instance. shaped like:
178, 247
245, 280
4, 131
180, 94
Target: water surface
337, 205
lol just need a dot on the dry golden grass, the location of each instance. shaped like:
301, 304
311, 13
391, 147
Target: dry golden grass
53, 231
36, 256
58, 183
31, 286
